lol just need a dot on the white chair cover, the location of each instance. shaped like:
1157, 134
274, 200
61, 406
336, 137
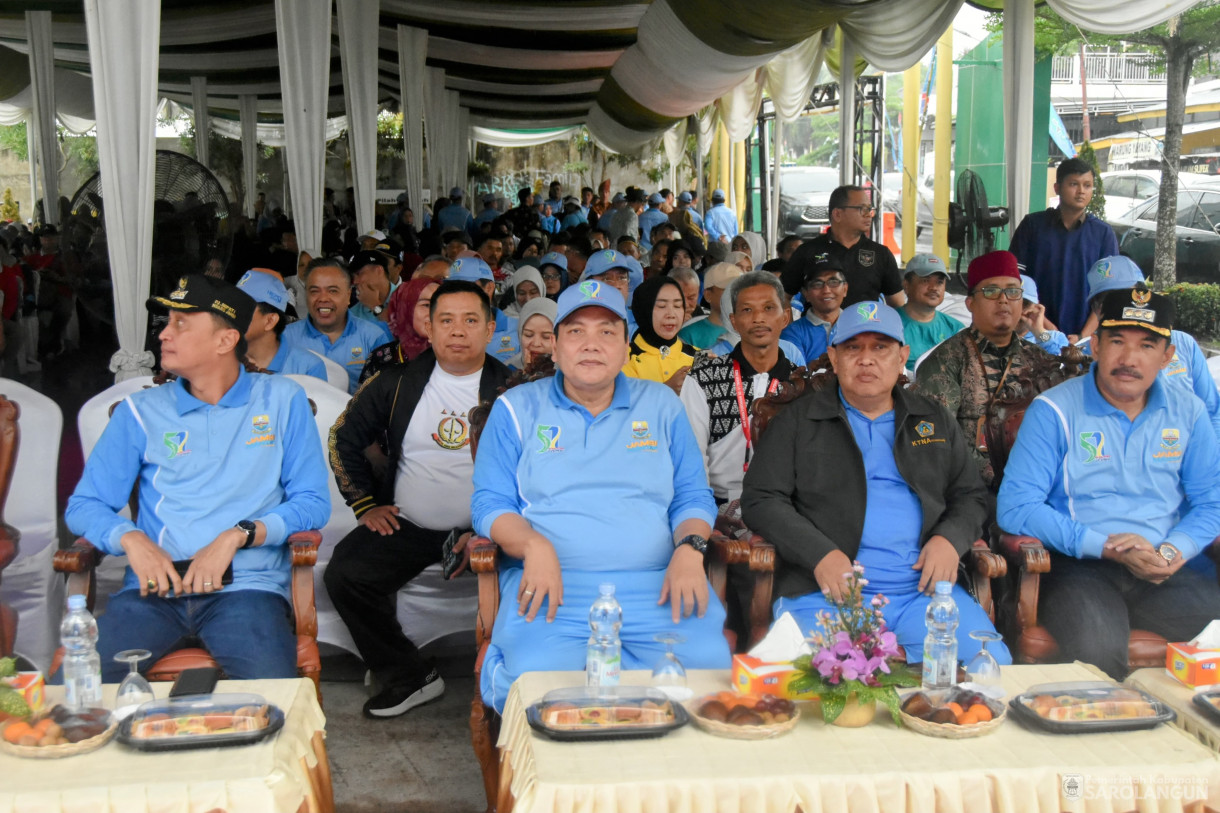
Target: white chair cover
29, 584
429, 608
336, 376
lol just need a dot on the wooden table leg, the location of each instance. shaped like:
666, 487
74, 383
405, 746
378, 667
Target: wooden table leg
321, 792
505, 800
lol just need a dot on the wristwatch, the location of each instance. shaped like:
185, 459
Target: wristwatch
249, 529
695, 541
1168, 552
378, 309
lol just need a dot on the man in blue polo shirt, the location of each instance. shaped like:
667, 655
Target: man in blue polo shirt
720, 222
1116, 473
264, 348
650, 218
505, 343
1056, 247
228, 465
330, 330
634, 510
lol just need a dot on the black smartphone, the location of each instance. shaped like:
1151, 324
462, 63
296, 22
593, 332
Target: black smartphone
195, 681
451, 561
183, 565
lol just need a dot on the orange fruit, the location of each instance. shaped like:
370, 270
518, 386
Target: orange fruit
42, 725
14, 731
982, 712
957, 710
969, 718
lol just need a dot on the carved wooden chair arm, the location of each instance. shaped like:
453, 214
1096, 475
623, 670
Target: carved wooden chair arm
305, 546
728, 550
82, 557
1025, 553
484, 555
985, 562
304, 557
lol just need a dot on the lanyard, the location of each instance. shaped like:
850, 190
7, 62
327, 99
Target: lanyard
741, 408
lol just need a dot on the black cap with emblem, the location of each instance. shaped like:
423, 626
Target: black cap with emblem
197, 292
1138, 307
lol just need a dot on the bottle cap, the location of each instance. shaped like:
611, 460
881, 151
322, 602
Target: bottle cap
944, 588
606, 588
76, 602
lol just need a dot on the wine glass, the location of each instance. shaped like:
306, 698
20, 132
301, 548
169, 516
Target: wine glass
134, 691
983, 668
668, 675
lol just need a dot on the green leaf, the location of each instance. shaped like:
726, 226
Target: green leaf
890, 699
8, 667
832, 705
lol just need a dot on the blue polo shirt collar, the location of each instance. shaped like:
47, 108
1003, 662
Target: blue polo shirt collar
1096, 404
621, 399
349, 327
237, 395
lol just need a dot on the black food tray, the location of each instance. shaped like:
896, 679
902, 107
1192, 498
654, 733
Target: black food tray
275, 721
1025, 714
533, 714
1201, 700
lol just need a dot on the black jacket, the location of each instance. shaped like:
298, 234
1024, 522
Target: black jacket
379, 413
805, 492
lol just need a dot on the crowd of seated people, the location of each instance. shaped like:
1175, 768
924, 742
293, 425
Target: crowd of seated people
613, 468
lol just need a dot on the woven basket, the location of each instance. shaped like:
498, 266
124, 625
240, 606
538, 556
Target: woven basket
745, 732
952, 731
70, 749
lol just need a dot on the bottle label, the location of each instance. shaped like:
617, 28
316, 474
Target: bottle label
610, 670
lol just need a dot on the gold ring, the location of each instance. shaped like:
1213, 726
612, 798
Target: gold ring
152, 584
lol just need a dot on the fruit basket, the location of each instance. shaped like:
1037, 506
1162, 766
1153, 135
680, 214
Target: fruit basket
952, 714
744, 716
63, 733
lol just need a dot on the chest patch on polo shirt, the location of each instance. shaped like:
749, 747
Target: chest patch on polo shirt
453, 432
176, 443
549, 436
1171, 444
641, 437
260, 423
357, 352
866, 257
926, 430
1175, 366
1094, 446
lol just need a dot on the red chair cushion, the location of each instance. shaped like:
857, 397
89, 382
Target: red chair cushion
170, 666
1037, 646
1146, 649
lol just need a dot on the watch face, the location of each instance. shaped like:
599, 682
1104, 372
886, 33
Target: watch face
1168, 552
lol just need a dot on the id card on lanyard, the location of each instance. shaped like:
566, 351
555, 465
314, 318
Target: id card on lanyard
743, 410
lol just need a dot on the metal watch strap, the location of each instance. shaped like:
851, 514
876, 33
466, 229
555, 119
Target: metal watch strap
695, 541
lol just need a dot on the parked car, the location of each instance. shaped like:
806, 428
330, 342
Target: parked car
804, 199
1198, 234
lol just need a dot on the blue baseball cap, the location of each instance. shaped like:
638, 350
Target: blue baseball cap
603, 261
590, 293
553, 258
685, 197
718, 195
1031, 289
1112, 274
618, 198
925, 265
265, 287
455, 192
655, 199
471, 269
867, 317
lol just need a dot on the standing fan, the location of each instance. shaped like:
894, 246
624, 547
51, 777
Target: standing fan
971, 221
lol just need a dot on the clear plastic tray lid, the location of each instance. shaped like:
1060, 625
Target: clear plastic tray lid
1091, 704
616, 705
202, 714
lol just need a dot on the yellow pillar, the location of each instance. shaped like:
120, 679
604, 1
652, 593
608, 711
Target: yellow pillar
942, 143
724, 177
739, 183
713, 172
910, 159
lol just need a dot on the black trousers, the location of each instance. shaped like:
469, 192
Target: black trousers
365, 573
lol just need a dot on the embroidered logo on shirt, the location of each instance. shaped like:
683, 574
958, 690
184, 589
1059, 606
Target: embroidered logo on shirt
261, 423
357, 352
506, 341
1175, 366
549, 435
640, 429
176, 443
261, 440
1094, 444
866, 257
925, 428
452, 433
1171, 445
643, 438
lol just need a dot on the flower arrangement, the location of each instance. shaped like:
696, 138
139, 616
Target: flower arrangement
853, 655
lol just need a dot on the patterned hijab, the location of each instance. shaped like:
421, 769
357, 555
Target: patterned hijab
402, 312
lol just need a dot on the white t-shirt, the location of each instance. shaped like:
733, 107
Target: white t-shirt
435, 478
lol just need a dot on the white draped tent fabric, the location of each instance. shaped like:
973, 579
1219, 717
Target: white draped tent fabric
1018, 104
356, 19
519, 138
463, 135
42, 81
674, 143
273, 135
303, 41
789, 77
248, 116
847, 111
739, 107
199, 113
123, 52
892, 35
1110, 17
412, 52
434, 94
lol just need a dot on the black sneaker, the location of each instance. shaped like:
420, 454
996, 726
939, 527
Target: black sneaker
400, 699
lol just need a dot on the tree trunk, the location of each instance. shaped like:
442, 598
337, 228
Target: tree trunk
1178, 61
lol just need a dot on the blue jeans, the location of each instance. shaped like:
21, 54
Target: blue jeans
249, 633
906, 617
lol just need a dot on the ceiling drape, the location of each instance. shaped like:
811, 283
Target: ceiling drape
42, 74
356, 18
412, 51
199, 112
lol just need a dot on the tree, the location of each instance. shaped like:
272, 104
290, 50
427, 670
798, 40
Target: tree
1176, 47
9, 210
1097, 206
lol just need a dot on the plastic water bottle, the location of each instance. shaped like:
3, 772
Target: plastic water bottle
82, 665
605, 653
940, 647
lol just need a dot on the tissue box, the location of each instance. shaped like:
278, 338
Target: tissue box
1192, 665
755, 676
31, 687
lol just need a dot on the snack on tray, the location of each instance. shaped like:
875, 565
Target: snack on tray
1120, 704
213, 721
613, 712
744, 709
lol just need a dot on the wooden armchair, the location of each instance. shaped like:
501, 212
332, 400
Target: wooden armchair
484, 561
79, 564
1027, 558
980, 565
10, 537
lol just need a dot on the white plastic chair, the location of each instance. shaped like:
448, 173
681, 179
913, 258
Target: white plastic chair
29, 584
336, 376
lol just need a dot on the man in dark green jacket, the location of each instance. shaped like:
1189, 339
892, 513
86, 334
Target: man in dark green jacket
866, 473
418, 414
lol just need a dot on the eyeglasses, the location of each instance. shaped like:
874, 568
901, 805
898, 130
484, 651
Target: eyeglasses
994, 291
862, 209
819, 284
614, 275
550, 275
